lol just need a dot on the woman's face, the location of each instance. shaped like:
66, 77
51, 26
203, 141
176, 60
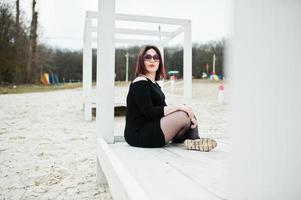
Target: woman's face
151, 61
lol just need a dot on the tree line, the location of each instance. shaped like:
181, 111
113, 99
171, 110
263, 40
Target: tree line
202, 56
18, 44
23, 59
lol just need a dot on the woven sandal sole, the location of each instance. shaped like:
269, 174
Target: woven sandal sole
202, 144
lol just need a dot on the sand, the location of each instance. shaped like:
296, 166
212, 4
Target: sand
47, 150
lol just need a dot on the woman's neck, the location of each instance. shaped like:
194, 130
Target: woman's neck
151, 76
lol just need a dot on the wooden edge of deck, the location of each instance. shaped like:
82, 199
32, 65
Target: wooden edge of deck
121, 183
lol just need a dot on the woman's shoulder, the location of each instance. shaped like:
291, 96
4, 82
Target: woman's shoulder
139, 79
139, 83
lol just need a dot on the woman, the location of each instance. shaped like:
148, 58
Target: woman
149, 121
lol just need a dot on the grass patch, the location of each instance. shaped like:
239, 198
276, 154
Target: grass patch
17, 89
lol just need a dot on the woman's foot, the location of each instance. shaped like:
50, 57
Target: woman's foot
202, 144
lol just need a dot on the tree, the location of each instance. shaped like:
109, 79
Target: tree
6, 42
32, 70
17, 71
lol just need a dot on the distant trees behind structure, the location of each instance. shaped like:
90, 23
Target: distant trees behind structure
23, 59
202, 55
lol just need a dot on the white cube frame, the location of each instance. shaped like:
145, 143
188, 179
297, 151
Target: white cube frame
106, 60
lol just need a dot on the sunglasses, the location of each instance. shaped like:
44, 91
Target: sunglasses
148, 57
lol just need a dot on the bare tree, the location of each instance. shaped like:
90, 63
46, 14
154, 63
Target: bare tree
31, 64
17, 70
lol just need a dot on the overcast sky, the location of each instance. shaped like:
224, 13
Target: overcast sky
62, 21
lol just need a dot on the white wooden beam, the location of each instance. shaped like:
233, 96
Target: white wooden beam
87, 69
187, 76
105, 71
151, 19
145, 18
132, 41
265, 53
130, 31
161, 44
143, 32
138, 42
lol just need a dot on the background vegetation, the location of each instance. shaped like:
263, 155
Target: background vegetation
23, 59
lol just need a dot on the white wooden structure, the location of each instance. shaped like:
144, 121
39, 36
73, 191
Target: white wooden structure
163, 38
170, 173
265, 69
265, 118
138, 173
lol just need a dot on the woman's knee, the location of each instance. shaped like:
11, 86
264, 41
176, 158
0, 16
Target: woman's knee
184, 118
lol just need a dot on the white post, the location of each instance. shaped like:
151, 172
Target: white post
127, 67
161, 49
266, 100
105, 70
161, 46
187, 76
213, 64
172, 85
87, 69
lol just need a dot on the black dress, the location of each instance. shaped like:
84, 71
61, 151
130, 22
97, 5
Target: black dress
145, 107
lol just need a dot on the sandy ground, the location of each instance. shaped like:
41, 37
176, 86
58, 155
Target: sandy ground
47, 150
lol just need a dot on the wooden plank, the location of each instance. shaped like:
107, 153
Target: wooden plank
166, 175
121, 182
208, 170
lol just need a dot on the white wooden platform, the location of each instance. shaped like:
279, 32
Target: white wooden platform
164, 173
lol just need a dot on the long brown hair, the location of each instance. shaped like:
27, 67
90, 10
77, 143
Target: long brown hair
140, 68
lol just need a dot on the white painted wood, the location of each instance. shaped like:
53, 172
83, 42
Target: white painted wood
187, 71
265, 70
127, 67
87, 69
122, 184
132, 41
175, 173
143, 32
152, 19
213, 64
143, 18
87, 55
137, 42
130, 31
100, 176
161, 44
105, 71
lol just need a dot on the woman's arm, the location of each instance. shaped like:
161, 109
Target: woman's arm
174, 108
171, 109
188, 110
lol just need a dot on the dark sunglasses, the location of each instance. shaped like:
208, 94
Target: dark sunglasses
148, 57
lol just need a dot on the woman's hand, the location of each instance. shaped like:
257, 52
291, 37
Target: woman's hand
194, 123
